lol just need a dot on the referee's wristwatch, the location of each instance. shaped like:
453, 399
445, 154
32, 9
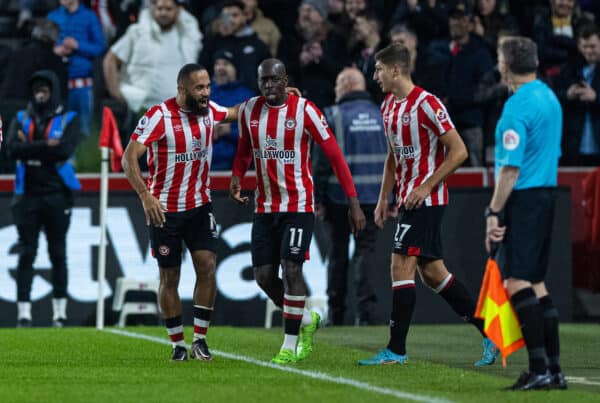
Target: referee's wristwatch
489, 212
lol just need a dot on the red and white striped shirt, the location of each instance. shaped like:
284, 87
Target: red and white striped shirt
279, 139
413, 127
179, 153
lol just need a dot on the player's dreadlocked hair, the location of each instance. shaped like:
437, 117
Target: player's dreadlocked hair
186, 71
520, 54
395, 54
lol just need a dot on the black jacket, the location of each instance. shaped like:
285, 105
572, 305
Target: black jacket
41, 176
35, 55
463, 74
248, 52
574, 111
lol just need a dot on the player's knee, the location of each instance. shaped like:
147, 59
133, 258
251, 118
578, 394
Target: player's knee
206, 270
263, 276
169, 279
292, 270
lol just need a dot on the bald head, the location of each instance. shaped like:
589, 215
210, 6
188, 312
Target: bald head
271, 67
349, 80
272, 81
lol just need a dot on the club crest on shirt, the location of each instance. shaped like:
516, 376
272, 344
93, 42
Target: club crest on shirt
290, 124
206, 121
405, 119
510, 139
177, 128
254, 123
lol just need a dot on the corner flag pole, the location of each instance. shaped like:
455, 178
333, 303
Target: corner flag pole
102, 249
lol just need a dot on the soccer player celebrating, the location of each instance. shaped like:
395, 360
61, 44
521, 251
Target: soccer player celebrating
178, 136
277, 130
423, 149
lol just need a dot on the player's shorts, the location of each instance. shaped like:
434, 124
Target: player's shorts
418, 232
277, 236
196, 227
525, 250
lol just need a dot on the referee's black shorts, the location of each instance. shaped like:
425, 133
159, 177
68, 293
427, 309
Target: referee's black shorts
528, 216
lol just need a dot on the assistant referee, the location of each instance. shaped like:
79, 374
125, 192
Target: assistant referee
528, 137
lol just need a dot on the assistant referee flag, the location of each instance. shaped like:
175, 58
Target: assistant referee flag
500, 321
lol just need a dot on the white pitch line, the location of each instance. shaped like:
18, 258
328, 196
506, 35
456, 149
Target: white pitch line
310, 374
581, 380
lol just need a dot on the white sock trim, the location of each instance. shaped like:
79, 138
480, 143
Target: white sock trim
203, 307
289, 342
402, 282
443, 284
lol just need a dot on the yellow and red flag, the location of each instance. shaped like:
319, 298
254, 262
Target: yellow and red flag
501, 324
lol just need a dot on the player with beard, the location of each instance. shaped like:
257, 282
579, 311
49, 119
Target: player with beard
277, 129
178, 136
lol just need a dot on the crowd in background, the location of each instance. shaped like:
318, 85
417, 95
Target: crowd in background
125, 54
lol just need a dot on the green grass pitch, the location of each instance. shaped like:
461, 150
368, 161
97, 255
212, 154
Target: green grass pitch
86, 365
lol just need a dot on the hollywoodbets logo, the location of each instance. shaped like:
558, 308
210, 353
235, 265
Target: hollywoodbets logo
271, 152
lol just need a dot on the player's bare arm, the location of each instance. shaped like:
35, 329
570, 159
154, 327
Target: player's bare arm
504, 186
357, 218
153, 209
387, 184
235, 190
456, 154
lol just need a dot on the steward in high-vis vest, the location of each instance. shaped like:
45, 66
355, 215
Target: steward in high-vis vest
356, 122
41, 139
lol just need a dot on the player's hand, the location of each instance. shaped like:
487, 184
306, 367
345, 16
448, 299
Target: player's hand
493, 232
293, 90
52, 142
235, 191
21, 136
153, 209
358, 222
416, 197
381, 213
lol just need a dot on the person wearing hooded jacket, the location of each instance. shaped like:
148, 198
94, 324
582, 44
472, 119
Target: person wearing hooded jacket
42, 139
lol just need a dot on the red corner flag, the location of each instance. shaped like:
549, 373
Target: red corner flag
500, 321
109, 137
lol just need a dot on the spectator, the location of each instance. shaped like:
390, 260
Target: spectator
264, 27
428, 18
356, 122
578, 86
469, 61
554, 33
363, 42
80, 41
42, 138
489, 19
236, 36
491, 94
226, 90
37, 54
314, 54
140, 68
402, 34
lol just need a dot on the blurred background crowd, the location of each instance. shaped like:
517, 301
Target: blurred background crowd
125, 54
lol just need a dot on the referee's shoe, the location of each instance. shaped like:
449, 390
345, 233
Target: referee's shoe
532, 381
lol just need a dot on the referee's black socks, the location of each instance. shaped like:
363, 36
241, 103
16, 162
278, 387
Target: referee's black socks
551, 339
531, 316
